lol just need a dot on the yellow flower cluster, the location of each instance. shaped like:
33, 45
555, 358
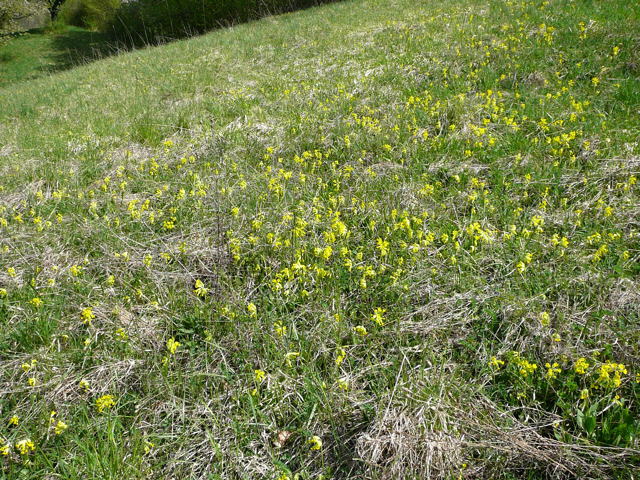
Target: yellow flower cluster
105, 402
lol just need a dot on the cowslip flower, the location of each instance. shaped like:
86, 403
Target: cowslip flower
87, 315
610, 374
75, 270
200, 290
545, 319
343, 383
341, 354
378, 316
148, 446
104, 402
496, 363
552, 370
383, 246
315, 442
28, 366
281, 330
25, 446
360, 330
60, 427
36, 302
172, 345
290, 357
581, 366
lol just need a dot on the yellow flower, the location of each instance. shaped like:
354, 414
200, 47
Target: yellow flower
168, 225
14, 420
84, 385
281, 330
584, 394
496, 363
610, 374
25, 446
60, 427
581, 366
87, 315
383, 246
290, 357
172, 345
341, 354
259, 375
325, 253
343, 384
75, 270
121, 334
252, 309
200, 290
525, 367
378, 316
104, 402
360, 330
148, 446
315, 442
32, 381
545, 319
36, 302
29, 366
552, 370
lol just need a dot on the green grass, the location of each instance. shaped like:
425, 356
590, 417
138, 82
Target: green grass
36, 53
405, 233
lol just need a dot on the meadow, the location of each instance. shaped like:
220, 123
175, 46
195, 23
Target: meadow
376, 239
38, 52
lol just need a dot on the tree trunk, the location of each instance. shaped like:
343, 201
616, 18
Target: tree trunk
54, 8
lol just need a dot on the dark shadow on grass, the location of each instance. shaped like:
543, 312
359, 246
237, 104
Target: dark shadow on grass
76, 46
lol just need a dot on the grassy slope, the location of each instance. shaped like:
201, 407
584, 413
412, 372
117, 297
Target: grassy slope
493, 147
34, 54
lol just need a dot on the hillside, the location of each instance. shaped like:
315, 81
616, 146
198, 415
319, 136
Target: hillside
376, 239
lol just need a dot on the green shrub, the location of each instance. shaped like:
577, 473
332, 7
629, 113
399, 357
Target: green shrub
91, 14
155, 21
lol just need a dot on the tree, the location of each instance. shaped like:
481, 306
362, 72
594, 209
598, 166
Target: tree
54, 7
